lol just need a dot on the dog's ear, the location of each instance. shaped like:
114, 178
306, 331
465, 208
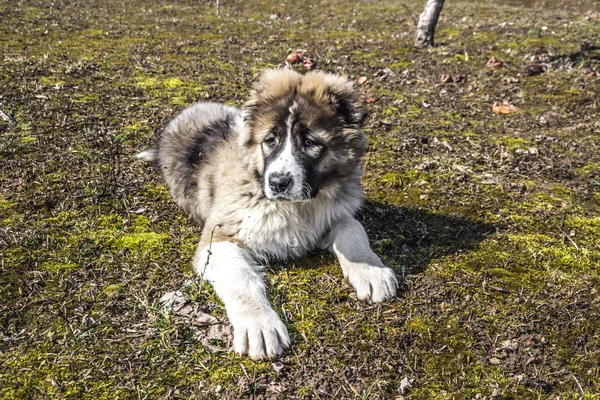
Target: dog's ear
339, 93
349, 107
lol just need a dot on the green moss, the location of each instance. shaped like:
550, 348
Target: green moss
144, 240
113, 289
400, 65
591, 169
133, 130
53, 266
513, 143
417, 325
50, 81
586, 227
29, 139
171, 83
147, 82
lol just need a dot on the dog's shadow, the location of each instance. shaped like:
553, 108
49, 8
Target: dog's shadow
408, 239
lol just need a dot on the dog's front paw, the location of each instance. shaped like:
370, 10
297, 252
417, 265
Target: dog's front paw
372, 283
259, 334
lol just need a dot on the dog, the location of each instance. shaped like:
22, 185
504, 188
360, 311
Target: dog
272, 181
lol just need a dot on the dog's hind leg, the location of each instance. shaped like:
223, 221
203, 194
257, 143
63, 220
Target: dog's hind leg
372, 280
237, 279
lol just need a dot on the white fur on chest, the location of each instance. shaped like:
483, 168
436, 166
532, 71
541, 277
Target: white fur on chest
286, 230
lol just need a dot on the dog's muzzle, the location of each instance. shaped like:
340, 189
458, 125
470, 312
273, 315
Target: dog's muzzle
279, 182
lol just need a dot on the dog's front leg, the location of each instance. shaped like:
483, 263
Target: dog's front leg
372, 280
257, 329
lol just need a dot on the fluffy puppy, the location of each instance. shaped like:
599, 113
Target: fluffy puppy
272, 181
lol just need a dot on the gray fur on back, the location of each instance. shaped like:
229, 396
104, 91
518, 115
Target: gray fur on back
187, 144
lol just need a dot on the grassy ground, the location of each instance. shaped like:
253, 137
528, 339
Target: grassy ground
492, 220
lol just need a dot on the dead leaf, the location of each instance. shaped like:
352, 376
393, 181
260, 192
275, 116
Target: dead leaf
509, 79
456, 79
218, 332
446, 78
459, 79
204, 319
533, 70
367, 98
293, 58
361, 79
494, 62
503, 108
173, 301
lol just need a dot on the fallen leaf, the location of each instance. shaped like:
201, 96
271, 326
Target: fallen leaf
173, 301
585, 46
218, 332
367, 98
494, 62
459, 79
293, 58
533, 70
446, 78
456, 79
204, 319
510, 79
361, 79
503, 108
591, 74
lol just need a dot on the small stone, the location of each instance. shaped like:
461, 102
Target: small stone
277, 366
405, 385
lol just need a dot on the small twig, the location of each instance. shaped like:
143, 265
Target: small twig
245, 373
218, 6
578, 384
410, 13
499, 289
568, 237
209, 253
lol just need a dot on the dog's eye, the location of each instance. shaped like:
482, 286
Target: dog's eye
270, 141
310, 143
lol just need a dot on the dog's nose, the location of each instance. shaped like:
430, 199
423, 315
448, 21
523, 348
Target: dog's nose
279, 182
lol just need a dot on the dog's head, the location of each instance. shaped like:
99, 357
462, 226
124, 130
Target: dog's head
302, 132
